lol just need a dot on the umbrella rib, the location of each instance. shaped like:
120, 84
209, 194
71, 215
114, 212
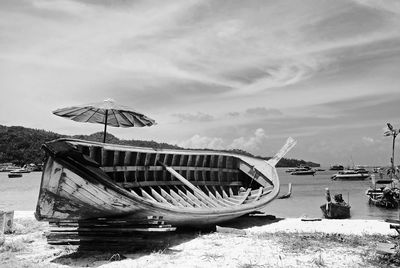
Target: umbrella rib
94, 112
116, 118
124, 116
74, 111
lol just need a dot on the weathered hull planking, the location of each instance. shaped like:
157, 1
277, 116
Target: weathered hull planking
87, 180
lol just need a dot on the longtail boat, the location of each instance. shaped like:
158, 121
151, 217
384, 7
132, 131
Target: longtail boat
85, 180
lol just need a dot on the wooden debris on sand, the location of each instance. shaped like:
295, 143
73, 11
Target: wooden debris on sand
105, 233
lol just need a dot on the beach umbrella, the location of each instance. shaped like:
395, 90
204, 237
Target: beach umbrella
106, 112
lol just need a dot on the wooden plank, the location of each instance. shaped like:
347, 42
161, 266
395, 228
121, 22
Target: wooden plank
159, 168
224, 194
230, 192
127, 162
244, 197
166, 159
197, 164
159, 197
147, 159
220, 202
156, 159
259, 194
220, 198
190, 185
116, 158
252, 172
196, 200
182, 160
147, 196
168, 197
220, 167
179, 199
186, 198
175, 182
174, 158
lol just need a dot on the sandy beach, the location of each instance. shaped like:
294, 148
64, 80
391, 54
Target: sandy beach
262, 243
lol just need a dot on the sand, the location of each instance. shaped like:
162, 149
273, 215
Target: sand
283, 243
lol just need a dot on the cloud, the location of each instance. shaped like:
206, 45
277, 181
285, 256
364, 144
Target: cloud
368, 141
252, 144
262, 111
199, 142
199, 117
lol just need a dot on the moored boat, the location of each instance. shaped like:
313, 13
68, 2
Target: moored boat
86, 180
338, 209
14, 174
336, 167
303, 171
350, 174
383, 193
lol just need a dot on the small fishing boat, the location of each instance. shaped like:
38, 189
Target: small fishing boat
336, 167
303, 171
383, 193
350, 175
85, 180
14, 174
335, 210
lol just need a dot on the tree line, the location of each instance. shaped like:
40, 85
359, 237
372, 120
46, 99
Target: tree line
20, 145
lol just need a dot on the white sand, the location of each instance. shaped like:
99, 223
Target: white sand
347, 227
227, 250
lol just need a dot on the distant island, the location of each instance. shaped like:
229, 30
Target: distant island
20, 145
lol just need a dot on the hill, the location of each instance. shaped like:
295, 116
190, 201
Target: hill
20, 145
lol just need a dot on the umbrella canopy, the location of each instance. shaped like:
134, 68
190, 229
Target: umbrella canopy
106, 112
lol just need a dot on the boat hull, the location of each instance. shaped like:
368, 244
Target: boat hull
357, 177
335, 211
79, 184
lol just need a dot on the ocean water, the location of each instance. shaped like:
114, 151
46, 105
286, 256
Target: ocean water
307, 195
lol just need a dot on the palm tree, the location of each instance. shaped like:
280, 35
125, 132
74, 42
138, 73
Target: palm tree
392, 132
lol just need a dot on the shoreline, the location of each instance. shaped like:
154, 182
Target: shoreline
286, 242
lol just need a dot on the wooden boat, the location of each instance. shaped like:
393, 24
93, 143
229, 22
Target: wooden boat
337, 209
85, 180
14, 174
383, 193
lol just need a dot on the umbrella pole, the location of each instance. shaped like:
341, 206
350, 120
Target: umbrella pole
105, 127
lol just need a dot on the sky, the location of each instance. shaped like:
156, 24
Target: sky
213, 74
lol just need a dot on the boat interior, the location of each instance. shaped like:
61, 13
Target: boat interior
180, 178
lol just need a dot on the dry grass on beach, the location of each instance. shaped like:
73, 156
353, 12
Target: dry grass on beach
284, 243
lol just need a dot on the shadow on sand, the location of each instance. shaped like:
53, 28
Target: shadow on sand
99, 253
